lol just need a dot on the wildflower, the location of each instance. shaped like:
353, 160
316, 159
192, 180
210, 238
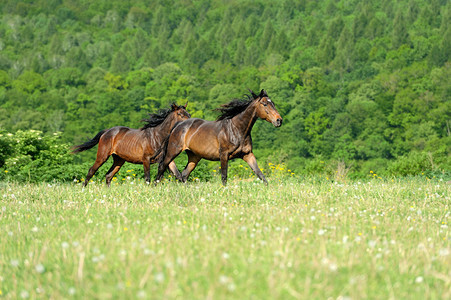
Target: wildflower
125, 228
40, 268
141, 294
159, 277
223, 279
371, 243
6, 171
24, 294
14, 263
419, 279
444, 252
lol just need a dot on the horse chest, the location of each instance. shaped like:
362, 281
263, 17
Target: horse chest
240, 150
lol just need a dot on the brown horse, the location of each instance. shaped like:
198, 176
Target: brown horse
138, 146
226, 138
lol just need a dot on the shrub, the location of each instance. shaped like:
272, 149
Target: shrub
32, 156
413, 163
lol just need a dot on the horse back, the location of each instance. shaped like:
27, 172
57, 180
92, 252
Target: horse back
129, 144
199, 136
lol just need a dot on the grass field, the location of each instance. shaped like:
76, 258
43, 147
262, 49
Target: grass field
298, 238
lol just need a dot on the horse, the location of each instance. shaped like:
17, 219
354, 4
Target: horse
138, 146
227, 138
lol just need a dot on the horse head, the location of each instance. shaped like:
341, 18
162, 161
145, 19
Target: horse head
179, 113
265, 108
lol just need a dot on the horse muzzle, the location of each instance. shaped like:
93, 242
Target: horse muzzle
278, 122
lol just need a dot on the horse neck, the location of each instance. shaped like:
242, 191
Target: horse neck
245, 120
164, 128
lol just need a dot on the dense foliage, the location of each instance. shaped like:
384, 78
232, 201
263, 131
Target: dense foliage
367, 83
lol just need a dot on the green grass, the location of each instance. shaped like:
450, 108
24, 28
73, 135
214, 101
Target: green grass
298, 238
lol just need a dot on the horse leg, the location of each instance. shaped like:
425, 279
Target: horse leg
117, 164
146, 164
172, 152
252, 162
175, 171
100, 160
223, 157
193, 160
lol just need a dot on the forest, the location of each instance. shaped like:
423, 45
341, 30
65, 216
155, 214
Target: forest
361, 84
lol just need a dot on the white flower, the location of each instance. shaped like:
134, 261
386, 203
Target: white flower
159, 277
14, 263
71, 291
40, 268
333, 267
65, 245
321, 232
443, 252
141, 294
223, 279
24, 294
419, 279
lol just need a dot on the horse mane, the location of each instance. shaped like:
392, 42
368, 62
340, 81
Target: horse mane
234, 107
156, 118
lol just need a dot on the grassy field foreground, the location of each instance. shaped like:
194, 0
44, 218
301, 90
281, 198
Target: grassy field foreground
297, 238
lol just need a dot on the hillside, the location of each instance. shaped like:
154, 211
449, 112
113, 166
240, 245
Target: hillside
367, 83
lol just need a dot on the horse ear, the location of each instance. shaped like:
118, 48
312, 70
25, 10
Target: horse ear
262, 93
173, 106
186, 104
253, 94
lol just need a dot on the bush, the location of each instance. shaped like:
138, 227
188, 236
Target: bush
33, 157
413, 163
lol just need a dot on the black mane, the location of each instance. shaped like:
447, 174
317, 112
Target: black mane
234, 107
156, 119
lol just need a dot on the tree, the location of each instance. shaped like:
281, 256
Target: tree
120, 63
400, 33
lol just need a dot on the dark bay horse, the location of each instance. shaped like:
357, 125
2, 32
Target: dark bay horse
226, 138
138, 146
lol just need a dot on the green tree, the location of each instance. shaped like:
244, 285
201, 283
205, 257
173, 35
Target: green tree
400, 33
120, 63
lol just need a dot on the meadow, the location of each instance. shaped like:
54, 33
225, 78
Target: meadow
298, 238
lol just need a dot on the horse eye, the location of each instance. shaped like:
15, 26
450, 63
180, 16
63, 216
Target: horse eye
265, 104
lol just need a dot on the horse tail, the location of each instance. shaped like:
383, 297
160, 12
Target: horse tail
89, 144
161, 152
